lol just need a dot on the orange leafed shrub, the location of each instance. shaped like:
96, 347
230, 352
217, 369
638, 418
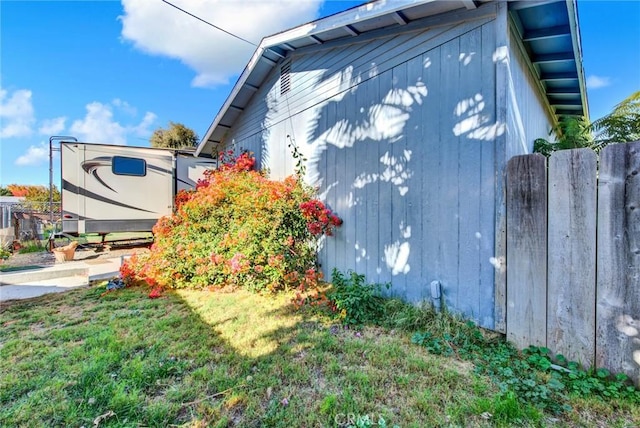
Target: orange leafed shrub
237, 228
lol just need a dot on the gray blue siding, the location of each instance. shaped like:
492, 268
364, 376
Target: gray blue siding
528, 114
399, 132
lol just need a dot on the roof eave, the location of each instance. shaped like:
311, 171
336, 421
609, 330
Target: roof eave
577, 48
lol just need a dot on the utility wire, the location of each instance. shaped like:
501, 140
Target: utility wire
208, 23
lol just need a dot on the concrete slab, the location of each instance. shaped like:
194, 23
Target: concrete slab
42, 274
55, 279
40, 288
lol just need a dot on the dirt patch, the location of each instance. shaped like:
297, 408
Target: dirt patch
38, 328
71, 312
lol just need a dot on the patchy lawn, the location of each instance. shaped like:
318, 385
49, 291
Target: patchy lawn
197, 359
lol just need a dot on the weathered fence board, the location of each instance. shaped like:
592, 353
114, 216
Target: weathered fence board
618, 281
571, 255
527, 250
576, 289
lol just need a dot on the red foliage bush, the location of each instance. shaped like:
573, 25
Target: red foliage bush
237, 228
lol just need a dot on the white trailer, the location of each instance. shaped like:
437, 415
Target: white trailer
108, 189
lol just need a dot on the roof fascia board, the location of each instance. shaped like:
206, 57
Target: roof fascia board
361, 13
487, 10
577, 47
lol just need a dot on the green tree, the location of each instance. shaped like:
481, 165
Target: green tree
176, 136
622, 125
5, 192
37, 198
572, 132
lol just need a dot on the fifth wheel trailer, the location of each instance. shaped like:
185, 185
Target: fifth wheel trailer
108, 189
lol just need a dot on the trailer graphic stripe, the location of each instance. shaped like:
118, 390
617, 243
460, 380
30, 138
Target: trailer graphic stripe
92, 166
80, 191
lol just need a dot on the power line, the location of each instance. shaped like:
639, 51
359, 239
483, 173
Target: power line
208, 23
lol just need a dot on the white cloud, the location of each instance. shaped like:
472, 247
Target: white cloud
157, 28
100, 126
125, 106
143, 128
52, 126
596, 82
35, 156
16, 113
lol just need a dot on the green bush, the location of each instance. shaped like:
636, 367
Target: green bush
355, 301
238, 228
4, 253
530, 375
31, 247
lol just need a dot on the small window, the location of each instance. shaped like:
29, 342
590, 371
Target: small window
285, 78
129, 166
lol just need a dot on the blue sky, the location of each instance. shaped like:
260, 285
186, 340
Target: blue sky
112, 72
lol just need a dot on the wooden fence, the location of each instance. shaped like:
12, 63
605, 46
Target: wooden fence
573, 255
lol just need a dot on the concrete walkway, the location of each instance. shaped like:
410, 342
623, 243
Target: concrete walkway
29, 283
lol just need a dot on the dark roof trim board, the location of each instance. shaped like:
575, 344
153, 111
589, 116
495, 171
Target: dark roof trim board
547, 31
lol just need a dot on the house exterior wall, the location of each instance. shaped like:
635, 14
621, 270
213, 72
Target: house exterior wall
528, 116
399, 134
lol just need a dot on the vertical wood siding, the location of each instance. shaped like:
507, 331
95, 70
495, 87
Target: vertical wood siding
522, 111
528, 115
399, 137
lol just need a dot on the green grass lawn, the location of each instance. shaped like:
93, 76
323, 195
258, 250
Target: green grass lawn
199, 359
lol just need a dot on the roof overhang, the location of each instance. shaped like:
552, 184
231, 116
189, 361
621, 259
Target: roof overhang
548, 30
549, 33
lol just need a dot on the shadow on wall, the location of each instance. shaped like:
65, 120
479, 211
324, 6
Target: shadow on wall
361, 163
408, 165
371, 147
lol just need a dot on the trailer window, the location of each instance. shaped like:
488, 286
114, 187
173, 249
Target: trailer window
129, 166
